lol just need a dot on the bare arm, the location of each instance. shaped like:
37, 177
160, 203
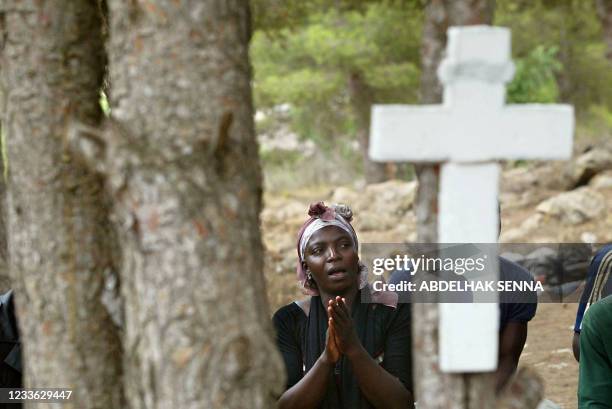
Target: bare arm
576, 345
511, 342
310, 390
379, 387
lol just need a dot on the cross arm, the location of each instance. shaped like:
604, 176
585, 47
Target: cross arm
406, 133
437, 133
535, 131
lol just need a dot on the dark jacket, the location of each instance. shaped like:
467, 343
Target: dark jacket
10, 347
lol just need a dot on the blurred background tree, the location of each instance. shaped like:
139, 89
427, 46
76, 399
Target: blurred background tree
332, 63
564, 39
320, 65
604, 11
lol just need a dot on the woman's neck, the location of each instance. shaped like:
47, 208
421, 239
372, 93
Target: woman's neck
350, 295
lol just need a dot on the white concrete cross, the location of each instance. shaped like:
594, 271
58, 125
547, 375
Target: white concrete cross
467, 133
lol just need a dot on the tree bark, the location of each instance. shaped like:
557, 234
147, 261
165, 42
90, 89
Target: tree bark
183, 169
439, 16
604, 11
5, 281
60, 241
568, 29
362, 99
434, 389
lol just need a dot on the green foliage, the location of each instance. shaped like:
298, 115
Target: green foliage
305, 52
596, 123
272, 16
283, 170
308, 65
573, 29
295, 86
104, 105
534, 80
601, 114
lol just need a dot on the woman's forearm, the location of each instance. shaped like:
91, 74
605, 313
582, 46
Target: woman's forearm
380, 388
310, 390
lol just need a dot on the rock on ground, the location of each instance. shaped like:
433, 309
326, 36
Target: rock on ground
602, 180
589, 164
546, 404
574, 207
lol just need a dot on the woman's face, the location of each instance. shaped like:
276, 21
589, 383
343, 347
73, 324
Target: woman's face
332, 259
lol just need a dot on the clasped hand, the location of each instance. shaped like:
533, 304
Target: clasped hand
341, 336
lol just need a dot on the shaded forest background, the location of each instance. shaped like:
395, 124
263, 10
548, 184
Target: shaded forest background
319, 65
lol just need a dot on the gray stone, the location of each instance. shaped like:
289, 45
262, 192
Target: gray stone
546, 404
574, 207
602, 181
589, 164
377, 206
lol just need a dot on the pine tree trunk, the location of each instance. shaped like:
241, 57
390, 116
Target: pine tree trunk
439, 16
183, 168
604, 11
568, 29
362, 98
60, 244
434, 389
5, 281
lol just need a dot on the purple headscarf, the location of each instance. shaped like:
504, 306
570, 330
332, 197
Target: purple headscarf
338, 215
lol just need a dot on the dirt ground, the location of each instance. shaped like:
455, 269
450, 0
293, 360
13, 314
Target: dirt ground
549, 351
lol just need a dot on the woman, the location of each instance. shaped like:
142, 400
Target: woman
346, 346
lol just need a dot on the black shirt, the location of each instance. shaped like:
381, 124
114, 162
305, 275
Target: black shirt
10, 348
383, 331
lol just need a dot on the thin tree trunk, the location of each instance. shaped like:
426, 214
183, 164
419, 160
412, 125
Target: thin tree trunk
5, 281
434, 389
60, 243
568, 90
604, 11
183, 167
362, 98
439, 16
